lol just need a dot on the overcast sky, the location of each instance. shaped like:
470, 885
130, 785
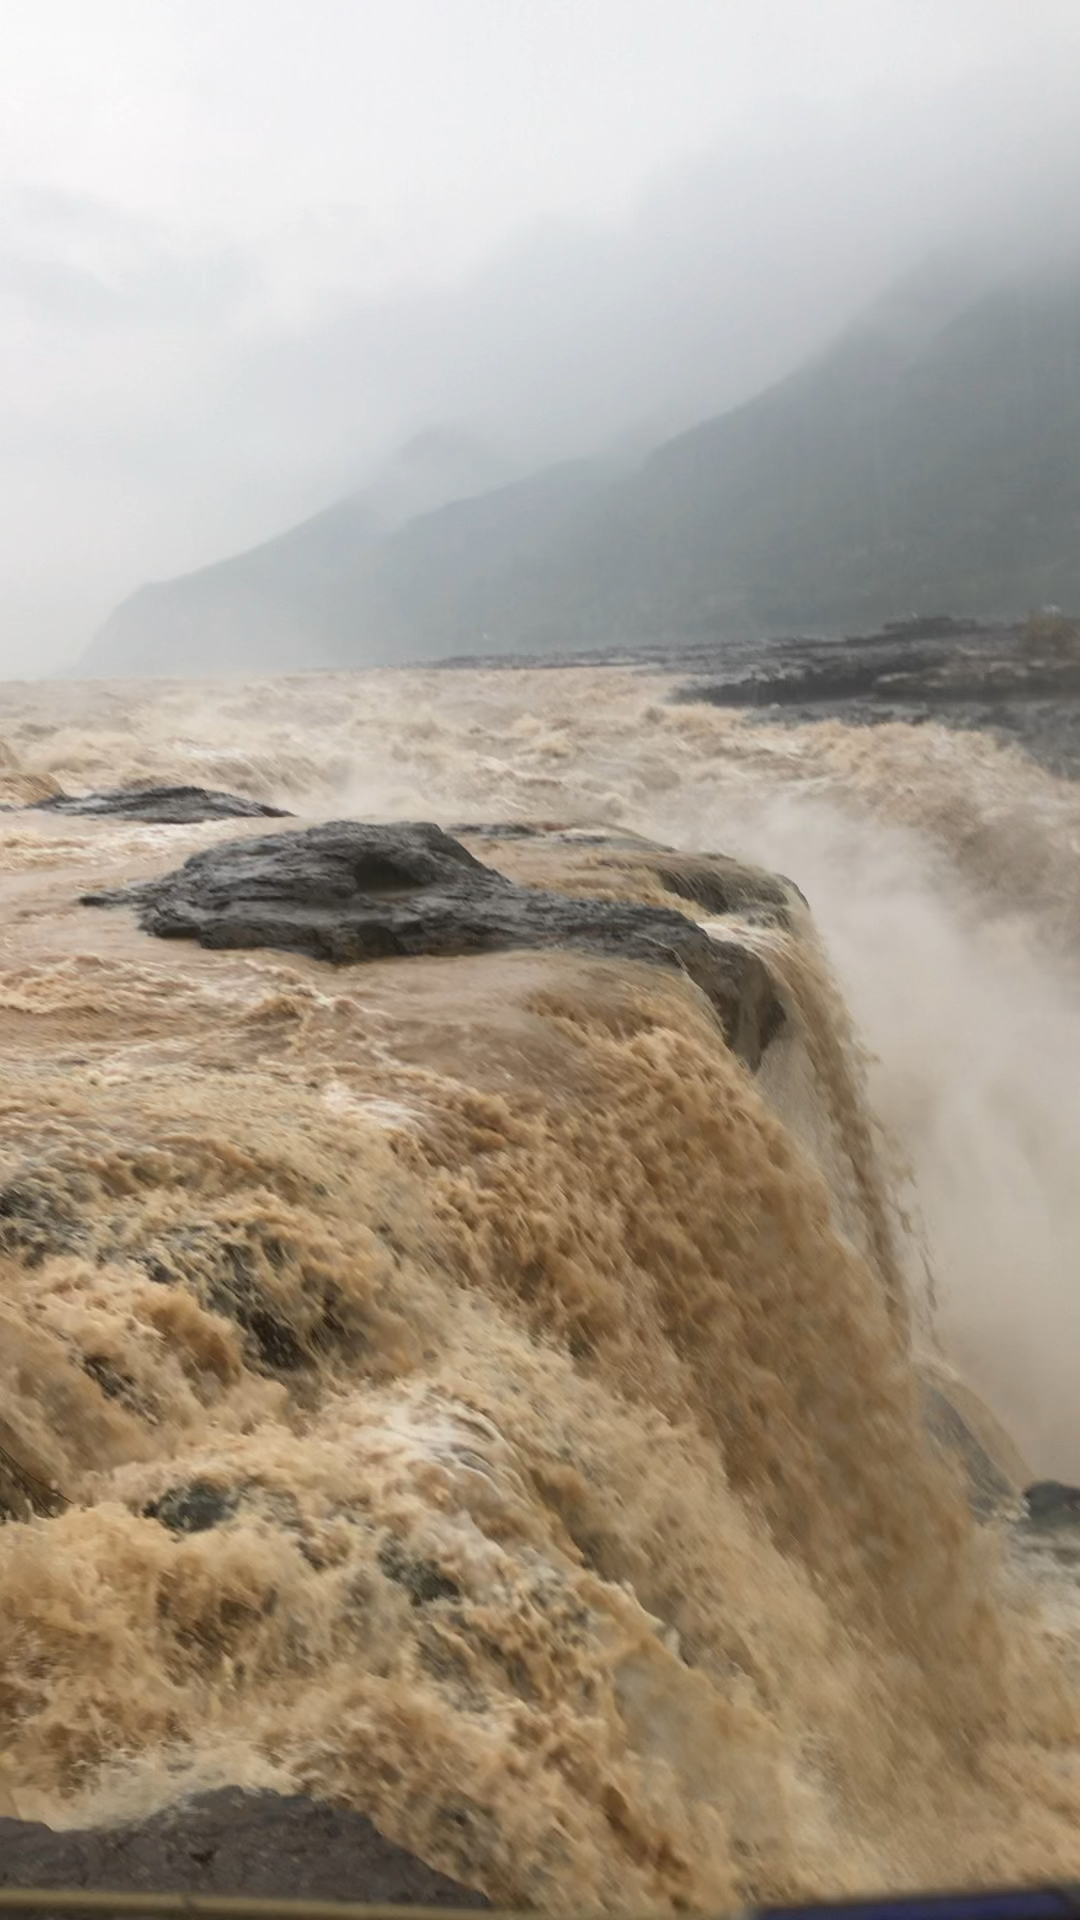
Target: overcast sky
246, 244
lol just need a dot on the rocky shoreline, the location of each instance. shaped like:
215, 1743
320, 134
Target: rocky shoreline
1020, 683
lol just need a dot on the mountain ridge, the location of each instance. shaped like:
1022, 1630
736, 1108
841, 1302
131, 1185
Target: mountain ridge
929, 458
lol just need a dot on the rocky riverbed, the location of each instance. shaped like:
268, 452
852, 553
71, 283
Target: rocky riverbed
1004, 680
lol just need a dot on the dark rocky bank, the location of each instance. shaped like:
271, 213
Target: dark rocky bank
1051, 1503
1020, 683
1047, 1529
231, 1843
346, 892
164, 806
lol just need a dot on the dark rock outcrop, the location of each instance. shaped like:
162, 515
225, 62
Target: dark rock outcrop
24, 1488
724, 886
39, 1216
903, 665
423, 1580
288, 1316
1050, 1503
231, 1843
163, 806
347, 892
996, 679
194, 1508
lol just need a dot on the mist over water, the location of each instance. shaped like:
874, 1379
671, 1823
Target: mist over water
974, 1023
941, 882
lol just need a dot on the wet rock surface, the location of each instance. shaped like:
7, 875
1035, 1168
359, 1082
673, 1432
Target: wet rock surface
194, 1508
163, 806
231, 1843
289, 1319
347, 892
1045, 1534
25, 1489
1051, 1503
989, 1490
964, 675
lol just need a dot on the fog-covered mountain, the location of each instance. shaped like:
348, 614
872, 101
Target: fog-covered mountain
929, 459
287, 602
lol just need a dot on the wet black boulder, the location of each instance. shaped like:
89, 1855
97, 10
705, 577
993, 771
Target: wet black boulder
346, 892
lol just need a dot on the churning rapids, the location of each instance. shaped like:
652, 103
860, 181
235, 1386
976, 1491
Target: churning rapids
464, 1389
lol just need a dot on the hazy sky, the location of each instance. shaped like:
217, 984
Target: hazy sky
245, 243
436, 125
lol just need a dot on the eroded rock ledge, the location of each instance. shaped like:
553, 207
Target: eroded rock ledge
260, 1845
162, 806
346, 892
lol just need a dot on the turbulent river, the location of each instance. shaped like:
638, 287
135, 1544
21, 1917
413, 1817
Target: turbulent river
556, 1382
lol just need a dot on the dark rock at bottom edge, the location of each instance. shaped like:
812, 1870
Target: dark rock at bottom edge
231, 1842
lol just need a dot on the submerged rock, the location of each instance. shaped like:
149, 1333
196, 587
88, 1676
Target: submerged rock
164, 806
194, 1508
232, 1843
422, 1579
725, 886
347, 892
38, 1217
26, 1486
291, 1314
